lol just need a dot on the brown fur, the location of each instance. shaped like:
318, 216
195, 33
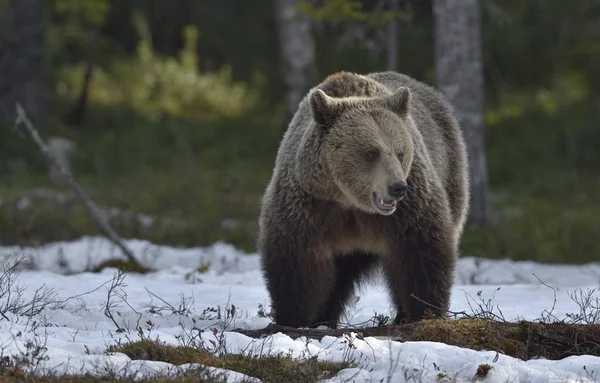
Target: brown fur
320, 230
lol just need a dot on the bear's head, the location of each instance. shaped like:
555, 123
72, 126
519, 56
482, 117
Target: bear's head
366, 146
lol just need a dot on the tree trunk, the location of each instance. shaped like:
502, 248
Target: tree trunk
22, 26
297, 47
392, 38
77, 114
459, 72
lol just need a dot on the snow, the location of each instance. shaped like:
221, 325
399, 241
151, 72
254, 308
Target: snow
180, 303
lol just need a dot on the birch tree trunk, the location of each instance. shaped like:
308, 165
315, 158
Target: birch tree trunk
297, 47
459, 72
22, 76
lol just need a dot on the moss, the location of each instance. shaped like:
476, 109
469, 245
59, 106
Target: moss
122, 265
272, 369
523, 339
151, 350
476, 334
267, 368
198, 375
204, 378
483, 370
204, 267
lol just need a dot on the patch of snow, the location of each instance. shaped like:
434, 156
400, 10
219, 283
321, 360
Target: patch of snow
181, 303
87, 252
472, 270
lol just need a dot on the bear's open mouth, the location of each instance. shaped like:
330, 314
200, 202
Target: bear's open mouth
383, 205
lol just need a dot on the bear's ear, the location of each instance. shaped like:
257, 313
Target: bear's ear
399, 102
324, 108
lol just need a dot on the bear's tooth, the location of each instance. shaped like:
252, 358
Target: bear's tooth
381, 202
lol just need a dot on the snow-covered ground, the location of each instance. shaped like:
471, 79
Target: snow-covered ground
176, 300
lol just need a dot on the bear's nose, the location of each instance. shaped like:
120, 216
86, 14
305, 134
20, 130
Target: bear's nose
398, 190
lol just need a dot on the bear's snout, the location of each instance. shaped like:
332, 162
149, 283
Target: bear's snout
398, 190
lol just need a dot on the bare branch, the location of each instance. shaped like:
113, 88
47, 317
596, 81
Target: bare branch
23, 120
548, 315
112, 291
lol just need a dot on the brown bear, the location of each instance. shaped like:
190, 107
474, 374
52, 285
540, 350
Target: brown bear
370, 175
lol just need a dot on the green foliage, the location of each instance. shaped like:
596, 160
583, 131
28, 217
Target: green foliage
562, 93
545, 191
159, 87
74, 23
42, 222
527, 43
339, 12
537, 229
542, 161
129, 162
75, 14
185, 125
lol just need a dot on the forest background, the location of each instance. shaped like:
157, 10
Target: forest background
171, 113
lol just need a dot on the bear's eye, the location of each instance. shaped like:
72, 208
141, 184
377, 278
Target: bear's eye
400, 156
372, 155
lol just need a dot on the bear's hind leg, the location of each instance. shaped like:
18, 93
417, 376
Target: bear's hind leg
349, 270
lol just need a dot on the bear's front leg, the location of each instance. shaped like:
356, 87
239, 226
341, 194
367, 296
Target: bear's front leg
299, 275
422, 264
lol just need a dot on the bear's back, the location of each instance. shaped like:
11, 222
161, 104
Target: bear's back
346, 84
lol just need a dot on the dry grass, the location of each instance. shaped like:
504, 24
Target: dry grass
91, 379
524, 340
281, 368
122, 265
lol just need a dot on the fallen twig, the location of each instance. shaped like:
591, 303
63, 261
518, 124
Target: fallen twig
397, 332
23, 120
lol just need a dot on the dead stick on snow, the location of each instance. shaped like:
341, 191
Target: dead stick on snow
398, 332
83, 196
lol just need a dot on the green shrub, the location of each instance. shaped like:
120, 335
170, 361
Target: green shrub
157, 87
